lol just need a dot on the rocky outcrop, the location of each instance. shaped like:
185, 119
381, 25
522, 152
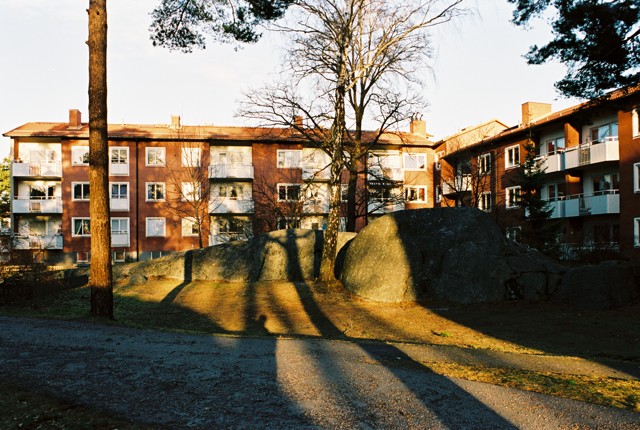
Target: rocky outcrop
607, 285
444, 254
292, 255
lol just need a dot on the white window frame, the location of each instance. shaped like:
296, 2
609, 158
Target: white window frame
344, 192
287, 186
111, 184
226, 192
164, 192
289, 158
159, 160
415, 156
119, 256
289, 222
556, 149
484, 163
636, 177
83, 257
118, 148
83, 198
188, 224
636, 232
635, 122
511, 161
77, 152
73, 226
159, 219
418, 188
507, 198
438, 194
191, 156
486, 201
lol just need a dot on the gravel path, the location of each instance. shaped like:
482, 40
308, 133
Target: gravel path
191, 381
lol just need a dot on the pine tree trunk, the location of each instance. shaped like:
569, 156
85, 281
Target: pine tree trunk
100, 272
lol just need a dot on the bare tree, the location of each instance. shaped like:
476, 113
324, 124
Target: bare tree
101, 277
188, 198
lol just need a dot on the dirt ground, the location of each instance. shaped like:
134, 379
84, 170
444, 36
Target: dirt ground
305, 309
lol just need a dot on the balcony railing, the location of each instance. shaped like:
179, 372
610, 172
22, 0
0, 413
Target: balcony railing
119, 204
385, 206
38, 241
222, 171
315, 173
377, 173
218, 239
315, 206
119, 238
39, 205
599, 203
119, 169
228, 205
460, 184
51, 169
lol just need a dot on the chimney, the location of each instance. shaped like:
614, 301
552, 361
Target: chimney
75, 118
417, 126
175, 122
531, 111
297, 122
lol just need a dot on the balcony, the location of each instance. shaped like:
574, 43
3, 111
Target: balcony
34, 241
461, 184
230, 206
119, 239
315, 207
224, 171
315, 174
592, 153
119, 169
218, 239
37, 205
552, 163
385, 174
119, 204
600, 203
51, 169
384, 206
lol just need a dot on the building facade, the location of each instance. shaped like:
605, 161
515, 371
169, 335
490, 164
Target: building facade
175, 187
590, 155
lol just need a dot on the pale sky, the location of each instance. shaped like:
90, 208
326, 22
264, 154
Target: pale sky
478, 73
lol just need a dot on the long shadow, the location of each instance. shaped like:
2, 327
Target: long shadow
187, 278
381, 353
478, 317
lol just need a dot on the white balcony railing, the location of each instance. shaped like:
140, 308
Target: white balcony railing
52, 169
222, 171
228, 205
384, 206
40, 205
592, 153
315, 207
460, 184
119, 169
218, 239
377, 173
119, 204
119, 238
599, 203
315, 173
35, 241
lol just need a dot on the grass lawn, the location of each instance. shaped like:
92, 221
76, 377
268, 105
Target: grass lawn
320, 310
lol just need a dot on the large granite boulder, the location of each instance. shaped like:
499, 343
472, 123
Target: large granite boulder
292, 255
444, 254
607, 285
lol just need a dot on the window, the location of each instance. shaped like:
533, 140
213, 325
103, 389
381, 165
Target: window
512, 157
344, 192
439, 156
636, 232
635, 122
288, 222
156, 156
120, 191
415, 194
554, 146
119, 155
512, 197
119, 256
604, 132
191, 157
484, 164
636, 177
119, 226
232, 158
485, 202
415, 161
231, 226
289, 158
81, 226
190, 191
438, 195
288, 192
156, 227
80, 155
190, 227
606, 183
82, 257
155, 191
555, 191
231, 192
79, 191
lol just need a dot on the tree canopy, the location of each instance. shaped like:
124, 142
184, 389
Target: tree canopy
183, 24
598, 41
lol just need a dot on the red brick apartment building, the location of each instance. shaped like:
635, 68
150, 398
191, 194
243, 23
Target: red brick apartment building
165, 178
591, 156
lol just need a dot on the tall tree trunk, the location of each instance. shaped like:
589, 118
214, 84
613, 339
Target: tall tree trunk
100, 272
